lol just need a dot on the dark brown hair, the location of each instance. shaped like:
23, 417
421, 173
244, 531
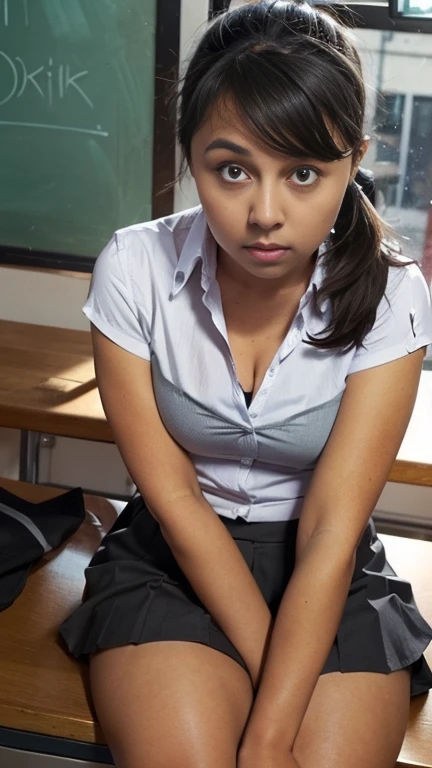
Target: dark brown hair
292, 71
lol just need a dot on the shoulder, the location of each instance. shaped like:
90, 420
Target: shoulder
144, 254
403, 320
406, 290
406, 302
162, 236
407, 275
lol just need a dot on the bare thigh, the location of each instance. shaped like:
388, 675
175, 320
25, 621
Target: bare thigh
355, 719
171, 703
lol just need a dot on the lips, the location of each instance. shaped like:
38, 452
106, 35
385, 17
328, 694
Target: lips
267, 254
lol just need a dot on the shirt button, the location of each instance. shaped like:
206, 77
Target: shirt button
179, 277
271, 372
246, 462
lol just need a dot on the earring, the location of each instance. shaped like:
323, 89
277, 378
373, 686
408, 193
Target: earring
333, 231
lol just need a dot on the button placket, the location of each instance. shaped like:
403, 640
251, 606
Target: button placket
259, 399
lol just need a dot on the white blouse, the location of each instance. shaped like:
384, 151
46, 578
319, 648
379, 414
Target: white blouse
154, 292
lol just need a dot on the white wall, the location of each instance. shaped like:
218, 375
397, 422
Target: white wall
56, 299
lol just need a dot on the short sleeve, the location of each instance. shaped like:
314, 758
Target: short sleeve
110, 304
403, 323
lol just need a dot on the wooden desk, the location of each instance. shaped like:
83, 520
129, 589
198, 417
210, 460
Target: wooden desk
47, 384
412, 560
44, 691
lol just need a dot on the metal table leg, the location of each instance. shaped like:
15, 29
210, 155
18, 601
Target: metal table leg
29, 456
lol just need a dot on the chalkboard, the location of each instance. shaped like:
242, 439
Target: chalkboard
76, 121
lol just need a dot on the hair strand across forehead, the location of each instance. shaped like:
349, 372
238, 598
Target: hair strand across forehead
283, 101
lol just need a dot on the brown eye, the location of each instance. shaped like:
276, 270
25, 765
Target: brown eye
305, 177
231, 172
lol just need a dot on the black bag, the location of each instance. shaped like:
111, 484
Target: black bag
28, 531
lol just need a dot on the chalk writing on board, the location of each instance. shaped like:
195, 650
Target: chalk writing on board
49, 81
25, 13
98, 132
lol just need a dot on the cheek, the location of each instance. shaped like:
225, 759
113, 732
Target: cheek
214, 204
315, 214
329, 204
226, 229
219, 213
223, 225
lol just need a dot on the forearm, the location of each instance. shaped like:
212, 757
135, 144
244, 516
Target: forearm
304, 630
218, 573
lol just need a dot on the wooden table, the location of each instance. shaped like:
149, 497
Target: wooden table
44, 693
412, 560
47, 384
44, 701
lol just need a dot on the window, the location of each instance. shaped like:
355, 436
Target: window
389, 126
398, 71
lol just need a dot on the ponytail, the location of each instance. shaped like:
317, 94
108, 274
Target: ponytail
361, 251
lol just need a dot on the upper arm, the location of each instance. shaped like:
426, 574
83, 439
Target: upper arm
161, 469
351, 473
119, 307
122, 268
381, 387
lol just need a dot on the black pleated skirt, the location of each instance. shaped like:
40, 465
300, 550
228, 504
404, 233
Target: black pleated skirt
136, 593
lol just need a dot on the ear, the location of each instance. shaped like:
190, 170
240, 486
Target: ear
358, 157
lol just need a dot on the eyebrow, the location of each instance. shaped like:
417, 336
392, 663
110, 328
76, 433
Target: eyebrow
230, 145
237, 148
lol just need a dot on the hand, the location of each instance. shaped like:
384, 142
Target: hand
265, 757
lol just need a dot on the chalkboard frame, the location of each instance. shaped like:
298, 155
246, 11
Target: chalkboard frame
166, 70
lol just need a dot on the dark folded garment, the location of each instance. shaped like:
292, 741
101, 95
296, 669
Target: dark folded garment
28, 531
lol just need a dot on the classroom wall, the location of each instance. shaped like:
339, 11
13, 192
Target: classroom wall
56, 299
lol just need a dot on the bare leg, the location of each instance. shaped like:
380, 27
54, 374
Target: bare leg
176, 704
355, 719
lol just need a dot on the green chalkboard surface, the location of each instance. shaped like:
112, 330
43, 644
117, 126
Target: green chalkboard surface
76, 121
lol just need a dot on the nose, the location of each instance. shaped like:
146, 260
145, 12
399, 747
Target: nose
265, 208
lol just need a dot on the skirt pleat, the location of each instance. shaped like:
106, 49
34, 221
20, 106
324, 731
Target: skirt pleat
136, 593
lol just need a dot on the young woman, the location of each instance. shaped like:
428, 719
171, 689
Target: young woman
258, 358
